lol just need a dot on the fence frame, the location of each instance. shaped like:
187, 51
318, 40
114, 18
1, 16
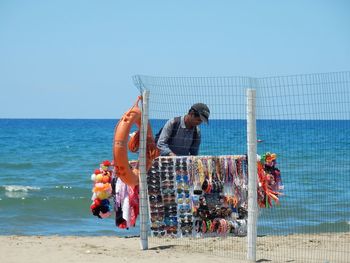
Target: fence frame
252, 175
252, 168
291, 98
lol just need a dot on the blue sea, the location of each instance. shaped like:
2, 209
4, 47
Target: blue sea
45, 168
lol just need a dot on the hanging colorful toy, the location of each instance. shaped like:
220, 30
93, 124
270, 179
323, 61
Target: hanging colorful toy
270, 182
102, 190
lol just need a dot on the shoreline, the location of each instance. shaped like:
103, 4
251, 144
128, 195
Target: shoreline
326, 247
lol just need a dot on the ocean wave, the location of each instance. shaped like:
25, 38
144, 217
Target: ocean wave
51, 164
20, 188
325, 227
63, 187
18, 191
16, 165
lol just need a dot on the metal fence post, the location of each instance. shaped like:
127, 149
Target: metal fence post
252, 173
143, 173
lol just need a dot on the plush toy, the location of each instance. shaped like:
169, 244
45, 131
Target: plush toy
102, 190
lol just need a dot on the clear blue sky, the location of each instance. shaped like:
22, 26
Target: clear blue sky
75, 59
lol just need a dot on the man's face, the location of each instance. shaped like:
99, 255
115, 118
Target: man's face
195, 119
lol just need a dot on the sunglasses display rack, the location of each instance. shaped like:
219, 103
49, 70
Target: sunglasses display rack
195, 196
203, 196
185, 221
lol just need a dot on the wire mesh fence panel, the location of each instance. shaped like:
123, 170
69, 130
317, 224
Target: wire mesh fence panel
225, 97
222, 140
305, 120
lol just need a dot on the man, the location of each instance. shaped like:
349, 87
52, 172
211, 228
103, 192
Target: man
181, 135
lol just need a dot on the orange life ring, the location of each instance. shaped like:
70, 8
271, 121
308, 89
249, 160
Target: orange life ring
129, 175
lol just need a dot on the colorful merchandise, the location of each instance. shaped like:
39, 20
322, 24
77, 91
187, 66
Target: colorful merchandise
190, 196
109, 192
102, 190
206, 195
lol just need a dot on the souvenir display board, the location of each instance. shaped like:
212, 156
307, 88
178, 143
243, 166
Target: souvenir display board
198, 196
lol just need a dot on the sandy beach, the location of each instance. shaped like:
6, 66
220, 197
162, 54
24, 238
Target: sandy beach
291, 248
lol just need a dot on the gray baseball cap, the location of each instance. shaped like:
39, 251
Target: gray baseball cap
202, 110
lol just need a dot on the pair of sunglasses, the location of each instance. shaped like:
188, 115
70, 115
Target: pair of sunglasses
182, 161
170, 186
157, 217
181, 169
170, 222
186, 226
174, 232
153, 182
171, 206
183, 185
168, 191
157, 226
152, 186
170, 213
169, 200
183, 195
183, 200
166, 170
155, 199
156, 206
185, 221
182, 178
186, 232
184, 208
167, 177
169, 195
170, 228
158, 233
153, 192
158, 212
153, 175
184, 216
180, 190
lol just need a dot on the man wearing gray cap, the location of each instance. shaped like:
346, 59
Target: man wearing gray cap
181, 135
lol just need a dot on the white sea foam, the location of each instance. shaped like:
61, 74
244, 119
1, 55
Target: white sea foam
19, 191
20, 188
63, 187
